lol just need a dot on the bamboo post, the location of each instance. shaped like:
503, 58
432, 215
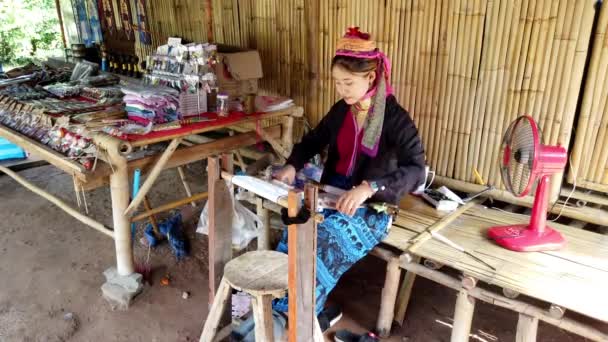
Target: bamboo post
405, 292
119, 189
527, 326
389, 297
463, 317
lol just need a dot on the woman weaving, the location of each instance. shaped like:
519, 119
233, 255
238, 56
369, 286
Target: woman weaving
374, 153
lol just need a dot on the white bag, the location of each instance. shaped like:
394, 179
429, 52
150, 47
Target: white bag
244, 224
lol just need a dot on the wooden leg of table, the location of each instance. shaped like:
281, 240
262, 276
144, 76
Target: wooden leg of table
463, 317
302, 246
526, 328
220, 225
262, 317
389, 297
264, 230
119, 187
405, 292
216, 312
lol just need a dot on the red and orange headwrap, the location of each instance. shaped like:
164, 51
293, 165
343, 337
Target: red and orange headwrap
357, 44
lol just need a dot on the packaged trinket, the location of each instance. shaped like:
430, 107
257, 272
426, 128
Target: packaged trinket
222, 104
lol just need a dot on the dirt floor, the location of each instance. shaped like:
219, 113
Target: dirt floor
51, 272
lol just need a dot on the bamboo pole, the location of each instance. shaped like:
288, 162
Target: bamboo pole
437, 76
406, 60
411, 49
527, 327
389, 297
405, 292
444, 52
153, 221
516, 61
531, 61
182, 177
418, 60
465, 172
491, 161
58, 202
168, 206
397, 53
588, 164
501, 86
455, 106
154, 173
463, 317
485, 77
593, 86
573, 34
447, 108
426, 50
547, 34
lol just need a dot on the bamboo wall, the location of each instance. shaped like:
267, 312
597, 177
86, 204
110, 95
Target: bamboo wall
464, 69
590, 152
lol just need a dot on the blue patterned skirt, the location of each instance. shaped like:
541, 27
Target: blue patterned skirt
342, 240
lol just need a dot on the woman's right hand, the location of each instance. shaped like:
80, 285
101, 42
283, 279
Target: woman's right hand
286, 175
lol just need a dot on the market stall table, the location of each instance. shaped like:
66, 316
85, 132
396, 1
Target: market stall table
116, 164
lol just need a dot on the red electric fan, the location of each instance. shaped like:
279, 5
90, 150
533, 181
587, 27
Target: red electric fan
524, 159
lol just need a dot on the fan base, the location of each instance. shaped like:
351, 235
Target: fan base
521, 238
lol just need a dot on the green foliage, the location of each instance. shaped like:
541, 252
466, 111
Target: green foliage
29, 31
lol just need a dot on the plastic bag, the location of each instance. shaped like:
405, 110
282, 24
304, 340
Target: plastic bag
244, 224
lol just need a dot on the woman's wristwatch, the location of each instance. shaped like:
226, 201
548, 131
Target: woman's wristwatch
374, 186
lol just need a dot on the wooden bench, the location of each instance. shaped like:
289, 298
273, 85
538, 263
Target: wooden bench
571, 279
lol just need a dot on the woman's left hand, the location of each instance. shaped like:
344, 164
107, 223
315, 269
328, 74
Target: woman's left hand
351, 200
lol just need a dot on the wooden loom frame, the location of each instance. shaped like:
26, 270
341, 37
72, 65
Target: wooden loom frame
303, 325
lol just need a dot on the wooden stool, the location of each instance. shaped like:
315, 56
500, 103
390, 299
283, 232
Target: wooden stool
261, 274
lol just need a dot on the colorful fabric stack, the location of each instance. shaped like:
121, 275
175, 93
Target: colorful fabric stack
147, 104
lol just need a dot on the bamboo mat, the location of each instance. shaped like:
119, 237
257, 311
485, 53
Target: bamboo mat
574, 277
590, 153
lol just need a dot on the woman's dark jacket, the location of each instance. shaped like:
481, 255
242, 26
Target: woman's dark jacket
398, 167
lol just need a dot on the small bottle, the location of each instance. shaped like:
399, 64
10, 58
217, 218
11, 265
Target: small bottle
222, 104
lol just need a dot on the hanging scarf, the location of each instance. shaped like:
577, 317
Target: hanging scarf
357, 44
